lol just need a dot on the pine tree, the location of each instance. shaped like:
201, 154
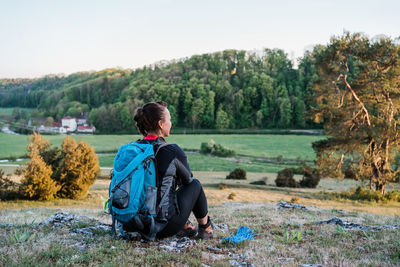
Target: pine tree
357, 96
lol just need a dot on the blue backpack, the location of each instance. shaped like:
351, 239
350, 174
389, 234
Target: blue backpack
133, 190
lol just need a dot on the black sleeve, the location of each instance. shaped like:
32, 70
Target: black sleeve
183, 172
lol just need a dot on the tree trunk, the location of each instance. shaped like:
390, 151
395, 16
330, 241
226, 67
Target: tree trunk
380, 186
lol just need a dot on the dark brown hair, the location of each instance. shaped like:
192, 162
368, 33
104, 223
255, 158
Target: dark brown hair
147, 117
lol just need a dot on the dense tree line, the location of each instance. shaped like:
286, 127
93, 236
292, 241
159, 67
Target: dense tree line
229, 89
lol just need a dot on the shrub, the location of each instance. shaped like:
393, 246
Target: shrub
295, 200
285, 178
311, 177
8, 188
232, 196
37, 182
222, 186
206, 148
78, 169
361, 193
68, 173
351, 173
237, 174
215, 149
12, 158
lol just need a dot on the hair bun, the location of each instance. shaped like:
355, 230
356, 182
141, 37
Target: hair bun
147, 117
139, 114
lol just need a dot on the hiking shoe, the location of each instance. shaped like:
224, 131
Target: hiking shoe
205, 231
204, 234
188, 230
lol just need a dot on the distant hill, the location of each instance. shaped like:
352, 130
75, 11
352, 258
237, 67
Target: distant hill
229, 89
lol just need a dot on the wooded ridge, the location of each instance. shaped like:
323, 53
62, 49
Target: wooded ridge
230, 89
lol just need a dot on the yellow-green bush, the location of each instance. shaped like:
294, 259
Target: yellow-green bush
37, 182
361, 193
68, 173
79, 168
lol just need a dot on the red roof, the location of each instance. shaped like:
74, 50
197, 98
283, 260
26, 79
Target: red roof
84, 127
67, 118
56, 124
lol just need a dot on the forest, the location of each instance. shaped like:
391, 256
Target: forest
232, 89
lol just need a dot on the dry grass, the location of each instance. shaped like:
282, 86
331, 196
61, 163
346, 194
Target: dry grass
218, 189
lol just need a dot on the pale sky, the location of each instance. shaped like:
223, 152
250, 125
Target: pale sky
39, 37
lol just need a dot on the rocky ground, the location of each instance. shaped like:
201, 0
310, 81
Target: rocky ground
286, 234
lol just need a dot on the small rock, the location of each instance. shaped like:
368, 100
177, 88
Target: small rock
178, 245
237, 256
240, 263
215, 249
285, 205
356, 226
206, 256
89, 230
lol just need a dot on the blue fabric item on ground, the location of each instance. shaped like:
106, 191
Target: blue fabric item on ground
242, 234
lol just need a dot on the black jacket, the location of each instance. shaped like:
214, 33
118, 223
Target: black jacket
172, 170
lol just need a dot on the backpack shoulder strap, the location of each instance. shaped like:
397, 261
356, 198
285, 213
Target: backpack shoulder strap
159, 147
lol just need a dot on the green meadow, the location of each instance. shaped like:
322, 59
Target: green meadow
269, 146
199, 162
9, 111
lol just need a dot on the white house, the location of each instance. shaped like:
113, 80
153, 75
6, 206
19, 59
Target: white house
69, 123
86, 129
81, 121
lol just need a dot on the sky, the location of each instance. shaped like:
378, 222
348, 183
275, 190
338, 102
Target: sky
41, 37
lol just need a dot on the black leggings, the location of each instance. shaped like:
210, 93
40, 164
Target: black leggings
190, 198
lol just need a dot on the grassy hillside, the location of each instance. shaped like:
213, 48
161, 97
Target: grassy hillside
288, 237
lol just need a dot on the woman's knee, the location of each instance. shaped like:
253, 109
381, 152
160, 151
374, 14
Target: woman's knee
194, 187
196, 181
196, 184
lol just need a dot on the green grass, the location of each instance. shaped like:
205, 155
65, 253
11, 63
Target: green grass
287, 146
9, 111
15, 145
199, 162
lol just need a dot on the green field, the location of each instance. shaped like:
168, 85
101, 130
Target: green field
287, 146
9, 111
248, 147
199, 162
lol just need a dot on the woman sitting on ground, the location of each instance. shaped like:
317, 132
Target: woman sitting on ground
154, 122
